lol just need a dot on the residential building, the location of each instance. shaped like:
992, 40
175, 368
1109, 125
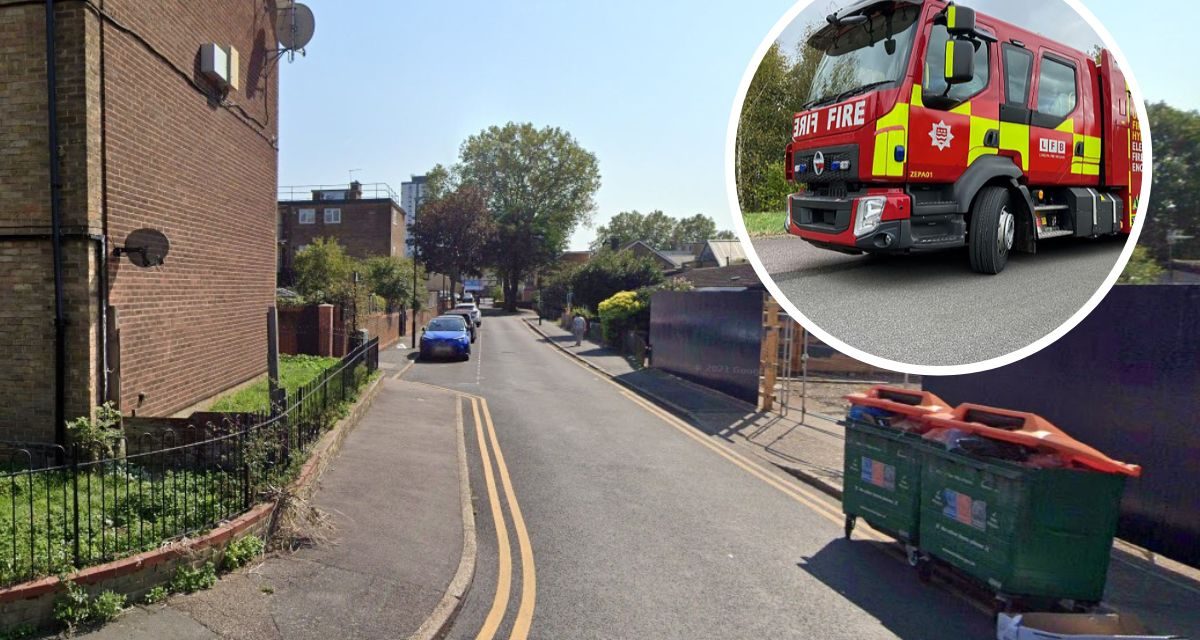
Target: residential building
411, 195
671, 262
146, 140
366, 220
720, 253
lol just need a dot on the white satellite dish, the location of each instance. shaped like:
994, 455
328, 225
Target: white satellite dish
294, 26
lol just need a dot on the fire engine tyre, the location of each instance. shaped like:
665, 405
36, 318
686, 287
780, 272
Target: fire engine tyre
993, 230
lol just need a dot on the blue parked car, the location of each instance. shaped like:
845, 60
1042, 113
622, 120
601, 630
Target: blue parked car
446, 336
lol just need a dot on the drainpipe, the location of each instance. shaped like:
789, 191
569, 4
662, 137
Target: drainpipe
60, 426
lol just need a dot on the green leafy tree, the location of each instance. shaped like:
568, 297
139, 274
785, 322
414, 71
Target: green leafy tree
324, 272
697, 228
392, 278
540, 185
609, 272
725, 234
439, 181
780, 86
453, 233
1175, 205
655, 229
1141, 269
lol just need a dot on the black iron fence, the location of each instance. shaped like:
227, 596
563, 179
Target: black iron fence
132, 495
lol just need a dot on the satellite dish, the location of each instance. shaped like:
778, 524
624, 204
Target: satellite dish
145, 247
294, 26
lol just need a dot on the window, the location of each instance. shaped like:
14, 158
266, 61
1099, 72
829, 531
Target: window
333, 216
1018, 70
301, 247
308, 216
1056, 93
934, 86
395, 217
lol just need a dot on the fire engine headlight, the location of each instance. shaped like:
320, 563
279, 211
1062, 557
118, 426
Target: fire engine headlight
869, 214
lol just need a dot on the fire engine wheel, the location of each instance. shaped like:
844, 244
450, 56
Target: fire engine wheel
993, 230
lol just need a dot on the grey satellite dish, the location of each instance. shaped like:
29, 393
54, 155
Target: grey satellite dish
145, 248
294, 26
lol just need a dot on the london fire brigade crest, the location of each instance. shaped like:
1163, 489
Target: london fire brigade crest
941, 135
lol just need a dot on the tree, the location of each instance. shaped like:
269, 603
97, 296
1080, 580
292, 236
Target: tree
725, 234
654, 228
324, 272
439, 181
392, 278
1141, 269
540, 185
609, 272
697, 228
780, 86
1176, 202
453, 233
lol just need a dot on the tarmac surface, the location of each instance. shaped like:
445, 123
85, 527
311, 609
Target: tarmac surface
638, 530
932, 310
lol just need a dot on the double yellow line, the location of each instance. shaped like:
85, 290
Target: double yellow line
524, 618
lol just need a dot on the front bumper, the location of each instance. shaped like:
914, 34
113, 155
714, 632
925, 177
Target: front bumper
828, 222
444, 348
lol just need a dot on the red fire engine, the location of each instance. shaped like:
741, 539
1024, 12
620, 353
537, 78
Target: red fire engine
930, 126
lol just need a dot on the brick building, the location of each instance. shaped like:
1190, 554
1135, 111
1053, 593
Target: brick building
144, 139
366, 220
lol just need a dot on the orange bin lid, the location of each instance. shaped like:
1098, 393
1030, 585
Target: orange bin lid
907, 402
1030, 430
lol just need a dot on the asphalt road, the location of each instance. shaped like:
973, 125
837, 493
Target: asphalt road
641, 528
932, 309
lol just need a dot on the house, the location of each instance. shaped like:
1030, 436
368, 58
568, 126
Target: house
720, 253
669, 261
157, 143
736, 276
366, 220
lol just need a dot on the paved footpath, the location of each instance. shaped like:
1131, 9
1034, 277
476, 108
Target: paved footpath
1163, 593
394, 494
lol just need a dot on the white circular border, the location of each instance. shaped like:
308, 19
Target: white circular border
938, 370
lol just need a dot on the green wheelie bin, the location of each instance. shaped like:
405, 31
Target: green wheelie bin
1028, 529
882, 467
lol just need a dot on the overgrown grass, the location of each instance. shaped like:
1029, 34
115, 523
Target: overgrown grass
294, 371
764, 223
125, 509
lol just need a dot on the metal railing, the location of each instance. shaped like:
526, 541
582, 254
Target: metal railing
367, 191
142, 492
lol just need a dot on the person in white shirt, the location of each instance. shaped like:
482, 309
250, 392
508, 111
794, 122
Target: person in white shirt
578, 327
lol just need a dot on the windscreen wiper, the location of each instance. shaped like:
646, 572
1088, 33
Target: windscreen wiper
843, 95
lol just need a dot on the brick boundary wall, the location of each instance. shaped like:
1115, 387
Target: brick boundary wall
32, 603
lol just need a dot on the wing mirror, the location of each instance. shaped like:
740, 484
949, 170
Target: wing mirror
960, 61
960, 21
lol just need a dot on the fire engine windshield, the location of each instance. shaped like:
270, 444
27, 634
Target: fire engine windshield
859, 56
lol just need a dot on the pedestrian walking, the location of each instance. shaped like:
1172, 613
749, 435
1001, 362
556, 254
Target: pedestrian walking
578, 327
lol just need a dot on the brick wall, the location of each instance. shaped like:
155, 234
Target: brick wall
203, 175
143, 134
368, 228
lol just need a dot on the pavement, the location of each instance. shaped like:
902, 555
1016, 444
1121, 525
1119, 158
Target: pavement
395, 496
932, 309
809, 446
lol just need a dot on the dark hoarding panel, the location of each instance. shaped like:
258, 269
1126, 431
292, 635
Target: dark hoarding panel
709, 337
1126, 381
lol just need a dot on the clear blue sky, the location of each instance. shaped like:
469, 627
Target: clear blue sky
392, 88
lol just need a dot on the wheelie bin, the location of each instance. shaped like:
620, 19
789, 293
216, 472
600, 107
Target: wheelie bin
1033, 517
882, 468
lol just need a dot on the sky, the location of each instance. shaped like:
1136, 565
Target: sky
390, 89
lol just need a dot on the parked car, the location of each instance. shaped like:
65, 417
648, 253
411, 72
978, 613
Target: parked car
446, 336
476, 316
468, 297
465, 314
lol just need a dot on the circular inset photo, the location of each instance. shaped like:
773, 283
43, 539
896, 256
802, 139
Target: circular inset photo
938, 187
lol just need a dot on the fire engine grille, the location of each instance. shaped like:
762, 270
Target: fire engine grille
819, 214
805, 159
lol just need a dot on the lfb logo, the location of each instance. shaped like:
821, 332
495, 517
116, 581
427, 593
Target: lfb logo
941, 135
1052, 147
819, 163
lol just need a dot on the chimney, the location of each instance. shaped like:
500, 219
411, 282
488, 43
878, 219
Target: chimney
355, 191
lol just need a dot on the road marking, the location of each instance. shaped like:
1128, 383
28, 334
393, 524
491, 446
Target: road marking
528, 601
504, 574
817, 503
524, 617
